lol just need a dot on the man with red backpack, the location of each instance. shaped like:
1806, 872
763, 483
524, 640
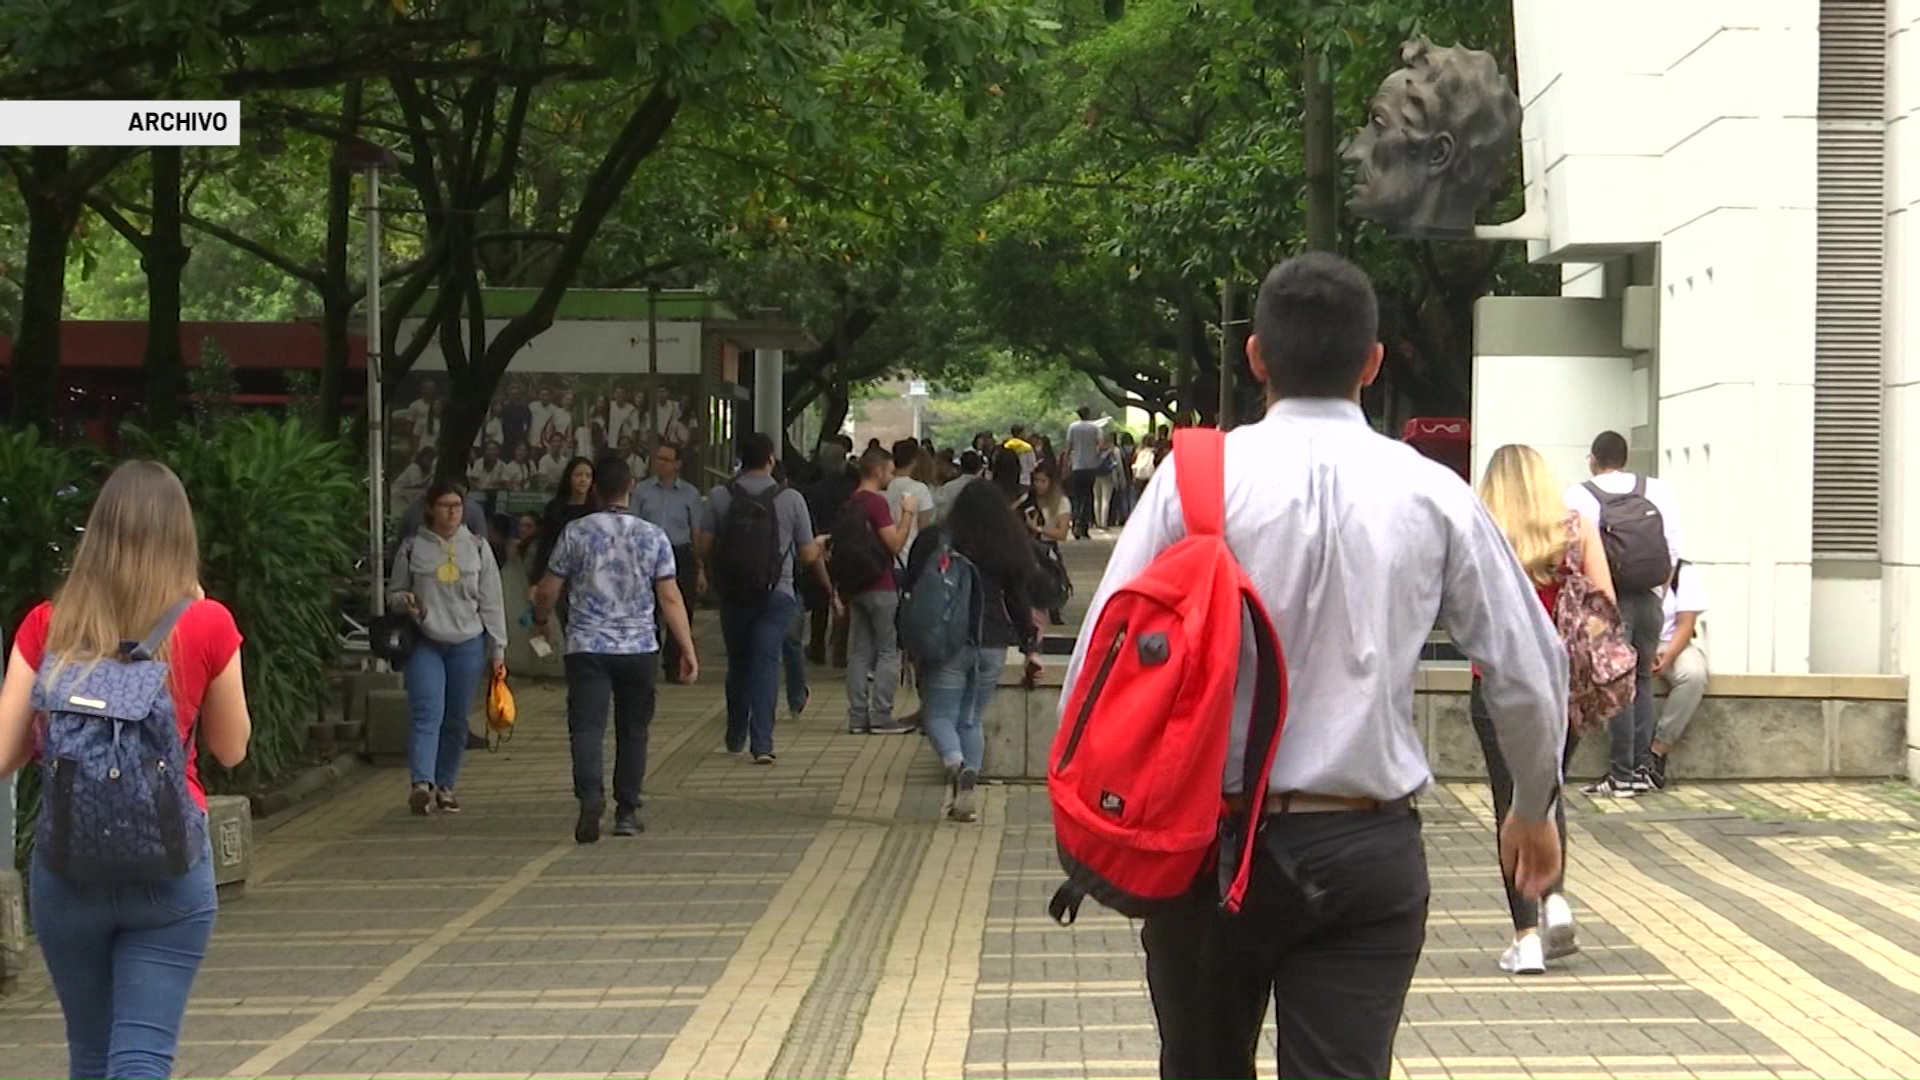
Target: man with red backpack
1257, 809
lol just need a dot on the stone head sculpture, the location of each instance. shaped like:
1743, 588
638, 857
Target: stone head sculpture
1436, 141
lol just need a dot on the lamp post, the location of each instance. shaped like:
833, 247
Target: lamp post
370, 159
917, 397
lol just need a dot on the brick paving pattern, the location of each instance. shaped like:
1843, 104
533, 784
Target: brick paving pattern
819, 918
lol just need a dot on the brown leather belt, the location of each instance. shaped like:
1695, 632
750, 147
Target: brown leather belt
1305, 802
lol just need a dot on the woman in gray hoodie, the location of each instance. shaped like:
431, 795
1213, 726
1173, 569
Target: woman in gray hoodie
446, 578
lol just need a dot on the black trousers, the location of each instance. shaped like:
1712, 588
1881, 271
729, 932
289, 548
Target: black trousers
1336, 969
1525, 912
593, 678
1080, 498
669, 648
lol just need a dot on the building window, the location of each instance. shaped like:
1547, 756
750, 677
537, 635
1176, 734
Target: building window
1849, 337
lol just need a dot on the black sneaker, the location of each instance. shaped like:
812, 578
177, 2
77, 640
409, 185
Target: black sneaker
627, 823
1643, 781
587, 829
1656, 771
420, 799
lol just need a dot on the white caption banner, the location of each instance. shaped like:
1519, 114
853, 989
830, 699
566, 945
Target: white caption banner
119, 123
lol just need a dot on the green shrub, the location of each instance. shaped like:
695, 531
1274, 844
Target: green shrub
45, 492
281, 520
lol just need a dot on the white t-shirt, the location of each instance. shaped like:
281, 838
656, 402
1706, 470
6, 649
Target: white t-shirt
622, 420
419, 416
1687, 594
491, 432
482, 477
1619, 483
539, 413
1049, 512
551, 469
667, 424
897, 492
559, 422
513, 475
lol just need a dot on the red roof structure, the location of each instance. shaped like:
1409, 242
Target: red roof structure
99, 343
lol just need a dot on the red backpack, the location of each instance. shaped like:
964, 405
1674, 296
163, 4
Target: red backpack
1137, 762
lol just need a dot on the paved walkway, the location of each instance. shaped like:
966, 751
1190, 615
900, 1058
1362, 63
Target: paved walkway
818, 918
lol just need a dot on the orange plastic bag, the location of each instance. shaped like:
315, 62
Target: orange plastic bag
500, 712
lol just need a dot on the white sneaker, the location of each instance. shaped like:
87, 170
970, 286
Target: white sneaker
1559, 930
1609, 788
1524, 957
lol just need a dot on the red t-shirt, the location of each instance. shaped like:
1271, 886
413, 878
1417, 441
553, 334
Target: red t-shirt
202, 646
874, 505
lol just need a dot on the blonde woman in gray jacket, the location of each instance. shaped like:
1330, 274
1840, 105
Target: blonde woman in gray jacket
446, 578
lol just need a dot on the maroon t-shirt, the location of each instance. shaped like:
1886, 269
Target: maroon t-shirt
874, 505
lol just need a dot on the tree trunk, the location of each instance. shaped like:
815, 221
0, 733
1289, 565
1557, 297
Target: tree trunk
835, 403
1322, 154
637, 140
468, 395
52, 212
164, 260
1226, 403
336, 297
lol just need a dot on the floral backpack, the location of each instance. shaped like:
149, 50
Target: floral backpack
1600, 659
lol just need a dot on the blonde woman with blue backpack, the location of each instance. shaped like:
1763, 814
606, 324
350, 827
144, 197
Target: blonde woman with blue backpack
113, 687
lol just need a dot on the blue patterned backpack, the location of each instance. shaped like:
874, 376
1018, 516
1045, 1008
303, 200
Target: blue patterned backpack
114, 803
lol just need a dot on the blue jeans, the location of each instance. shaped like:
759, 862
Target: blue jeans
755, 635
1630, 734
956, 695
441, 682
793, 657
122, 959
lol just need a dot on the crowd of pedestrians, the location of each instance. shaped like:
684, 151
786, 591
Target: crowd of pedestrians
908, 564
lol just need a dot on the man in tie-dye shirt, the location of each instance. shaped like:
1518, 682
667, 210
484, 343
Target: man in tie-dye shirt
616, 568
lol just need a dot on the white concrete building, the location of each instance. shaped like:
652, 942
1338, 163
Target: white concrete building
1733, 190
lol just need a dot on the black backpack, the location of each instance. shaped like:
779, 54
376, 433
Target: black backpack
750, 556
856, 557
1634, 536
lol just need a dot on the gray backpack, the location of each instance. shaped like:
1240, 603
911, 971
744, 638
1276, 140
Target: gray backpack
940, 611
1634, 537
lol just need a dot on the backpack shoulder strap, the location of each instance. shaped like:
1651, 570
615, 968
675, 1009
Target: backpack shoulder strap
1640, 485
1599, 496
157, 638
1202, 478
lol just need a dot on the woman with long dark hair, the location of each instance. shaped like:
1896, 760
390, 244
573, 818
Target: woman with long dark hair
573, 500
123, 952
984, 528
1049, 516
